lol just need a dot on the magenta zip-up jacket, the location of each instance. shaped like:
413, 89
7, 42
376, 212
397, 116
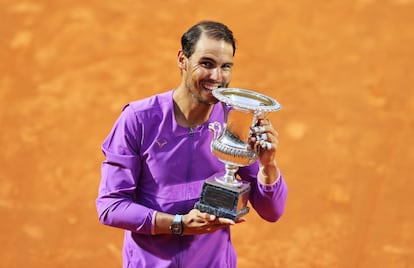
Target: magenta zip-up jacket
154, 164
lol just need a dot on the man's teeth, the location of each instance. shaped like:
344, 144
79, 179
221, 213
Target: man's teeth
211, 88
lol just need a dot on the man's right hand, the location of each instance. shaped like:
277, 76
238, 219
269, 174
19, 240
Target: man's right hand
197, 222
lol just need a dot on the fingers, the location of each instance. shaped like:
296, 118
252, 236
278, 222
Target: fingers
203, 216
214, 220
226, 221
263, 136
266, 145
240, 220
199, 222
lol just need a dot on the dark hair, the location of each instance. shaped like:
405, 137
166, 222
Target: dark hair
212, 29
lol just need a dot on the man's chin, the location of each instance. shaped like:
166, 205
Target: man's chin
210, 101
215, 101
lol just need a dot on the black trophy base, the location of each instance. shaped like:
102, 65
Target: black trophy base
224, 201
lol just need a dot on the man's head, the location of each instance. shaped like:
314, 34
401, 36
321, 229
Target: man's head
206, 60
211, 29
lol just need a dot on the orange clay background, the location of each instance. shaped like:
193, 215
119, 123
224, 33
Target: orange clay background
343, 71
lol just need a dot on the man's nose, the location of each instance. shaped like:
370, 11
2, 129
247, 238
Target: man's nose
217, 74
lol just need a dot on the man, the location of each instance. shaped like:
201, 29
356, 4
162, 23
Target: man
158, 157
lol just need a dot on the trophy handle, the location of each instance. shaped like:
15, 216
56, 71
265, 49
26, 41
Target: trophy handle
258, 115
216, 128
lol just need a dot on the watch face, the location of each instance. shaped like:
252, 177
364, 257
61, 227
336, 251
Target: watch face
176, 228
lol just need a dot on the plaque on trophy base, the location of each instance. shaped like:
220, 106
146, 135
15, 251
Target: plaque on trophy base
225, 196
224, 201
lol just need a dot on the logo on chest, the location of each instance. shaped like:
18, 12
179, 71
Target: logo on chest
161, 142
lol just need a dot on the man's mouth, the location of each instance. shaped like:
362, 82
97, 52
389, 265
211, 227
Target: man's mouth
210, 86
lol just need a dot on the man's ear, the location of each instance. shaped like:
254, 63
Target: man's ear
181, 60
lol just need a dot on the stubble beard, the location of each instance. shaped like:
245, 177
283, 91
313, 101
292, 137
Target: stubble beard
198, 97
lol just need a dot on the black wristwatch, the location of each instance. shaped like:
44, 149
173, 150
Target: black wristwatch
177, 225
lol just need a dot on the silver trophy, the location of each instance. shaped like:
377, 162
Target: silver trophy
225, 195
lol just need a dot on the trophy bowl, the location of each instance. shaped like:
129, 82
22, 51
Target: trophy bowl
225, 195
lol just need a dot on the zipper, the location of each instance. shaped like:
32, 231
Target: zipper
190, 157
188, 176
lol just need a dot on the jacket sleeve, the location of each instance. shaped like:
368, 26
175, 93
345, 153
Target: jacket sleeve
120, 174
268, 200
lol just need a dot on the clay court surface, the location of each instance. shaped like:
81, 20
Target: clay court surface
343, 71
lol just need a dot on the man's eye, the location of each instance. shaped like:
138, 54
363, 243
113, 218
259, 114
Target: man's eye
207, 64
226, 68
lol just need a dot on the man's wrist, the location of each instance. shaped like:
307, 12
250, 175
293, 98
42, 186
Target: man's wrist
153, 222
269, 175
177, 227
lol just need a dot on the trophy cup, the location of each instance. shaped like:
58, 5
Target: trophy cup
225, 195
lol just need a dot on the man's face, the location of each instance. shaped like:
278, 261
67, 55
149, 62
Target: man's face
209, 67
